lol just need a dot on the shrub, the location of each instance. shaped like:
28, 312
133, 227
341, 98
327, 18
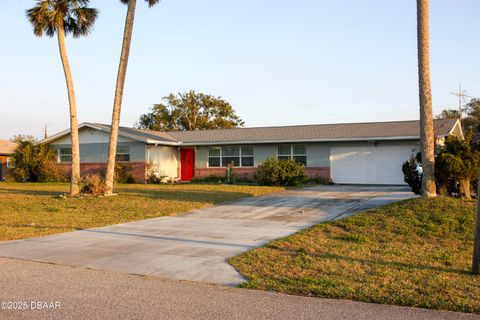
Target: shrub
54, 173
93, 183
456, 166
123, 173
211, 178
274, 172
411, 175
35, 162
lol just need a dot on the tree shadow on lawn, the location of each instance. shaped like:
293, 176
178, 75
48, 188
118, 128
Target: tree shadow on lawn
333, 256
215, 196
173, 195
32, 192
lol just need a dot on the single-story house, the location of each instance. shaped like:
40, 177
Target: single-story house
6, 150
357, 153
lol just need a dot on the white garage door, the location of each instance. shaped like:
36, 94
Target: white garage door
369, 165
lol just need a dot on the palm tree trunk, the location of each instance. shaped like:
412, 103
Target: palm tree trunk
75, 178
476, 243
425, 94
117, 105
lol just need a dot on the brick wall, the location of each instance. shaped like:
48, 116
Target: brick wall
318, 172
247, 173
139, 169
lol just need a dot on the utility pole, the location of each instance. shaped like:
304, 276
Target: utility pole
45, 132
461, 95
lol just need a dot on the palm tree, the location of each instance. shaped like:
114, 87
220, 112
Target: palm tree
63, 17
476, 243
425, 94
117, 104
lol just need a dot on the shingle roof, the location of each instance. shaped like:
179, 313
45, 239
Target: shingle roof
394, 130
7, 147
325, 132
146, 134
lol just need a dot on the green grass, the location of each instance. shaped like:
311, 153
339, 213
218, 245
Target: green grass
28, 210
413, 253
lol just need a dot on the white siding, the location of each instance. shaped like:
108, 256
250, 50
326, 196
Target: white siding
164, 159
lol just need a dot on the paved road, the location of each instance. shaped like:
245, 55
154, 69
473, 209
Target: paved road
195, 246
95, 294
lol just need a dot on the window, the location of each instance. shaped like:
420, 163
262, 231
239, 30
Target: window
222, 156
295, 152
214, 157
10, 163
300, 154
284, 152
247, 156
231, 154
65, 155
123, 154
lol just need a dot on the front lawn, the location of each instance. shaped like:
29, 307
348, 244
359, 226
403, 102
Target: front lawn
28, 210
413, 253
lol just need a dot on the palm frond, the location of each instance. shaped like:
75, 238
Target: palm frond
74, 15
151, 3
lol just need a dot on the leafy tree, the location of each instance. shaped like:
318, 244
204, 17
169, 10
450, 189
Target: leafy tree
448, 114
470, 119
190, 111
425, 95
63, 17
117, 104
34, 162
457, 163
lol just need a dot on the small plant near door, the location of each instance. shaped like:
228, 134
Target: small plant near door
230, 174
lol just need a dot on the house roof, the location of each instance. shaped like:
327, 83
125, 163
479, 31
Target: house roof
145, 135
7, 147
132, 133
395, 130
323, 132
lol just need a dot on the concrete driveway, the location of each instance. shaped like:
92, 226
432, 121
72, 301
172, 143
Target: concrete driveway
195, 246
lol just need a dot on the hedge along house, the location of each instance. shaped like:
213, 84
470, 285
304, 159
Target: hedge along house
356, 153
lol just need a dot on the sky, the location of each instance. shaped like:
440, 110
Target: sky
277, 62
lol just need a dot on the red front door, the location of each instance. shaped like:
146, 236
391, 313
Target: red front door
187, 162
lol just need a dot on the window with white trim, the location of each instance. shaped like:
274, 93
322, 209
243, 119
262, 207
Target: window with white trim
297, 152
64, 155
10, 163
246, 158
214, 157
123, 154
222, 156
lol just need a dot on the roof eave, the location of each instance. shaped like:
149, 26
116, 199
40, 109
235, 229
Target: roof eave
164, 143
303, 140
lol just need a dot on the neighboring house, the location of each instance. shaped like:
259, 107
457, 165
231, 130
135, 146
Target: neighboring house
361, 153
6, 150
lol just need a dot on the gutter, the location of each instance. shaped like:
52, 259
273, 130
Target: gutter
301, 141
